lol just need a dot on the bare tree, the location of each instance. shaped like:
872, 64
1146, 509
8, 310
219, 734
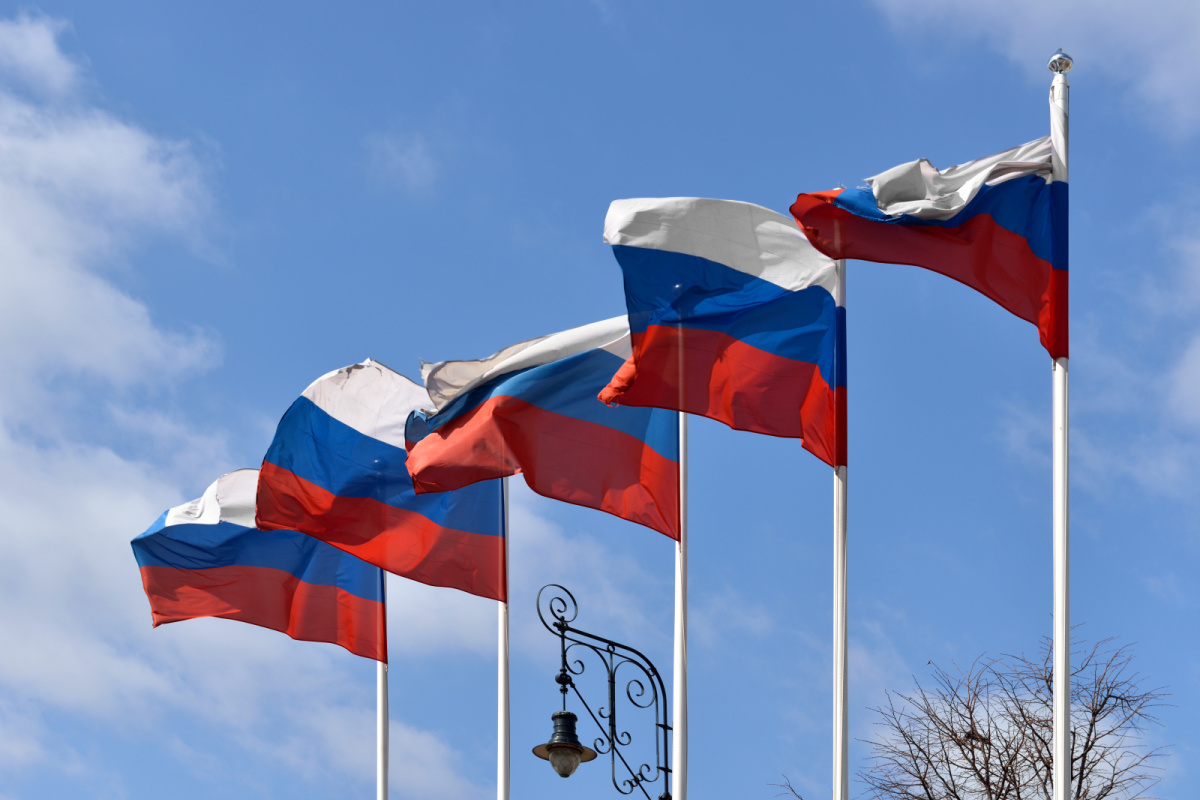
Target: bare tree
986, 733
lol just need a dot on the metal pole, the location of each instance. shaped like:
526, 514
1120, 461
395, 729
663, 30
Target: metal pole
1062, 588
679, 747
1059, 91
841, 735
381, 712
503, 723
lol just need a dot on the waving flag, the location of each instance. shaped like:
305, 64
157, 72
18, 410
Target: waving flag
206, 559
998, 225
532, 409
336, 470
733, 316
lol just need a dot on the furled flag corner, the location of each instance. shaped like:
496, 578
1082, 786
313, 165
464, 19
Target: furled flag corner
532, 409
997, 224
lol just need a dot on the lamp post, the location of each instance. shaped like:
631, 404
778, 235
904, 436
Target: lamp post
644, 690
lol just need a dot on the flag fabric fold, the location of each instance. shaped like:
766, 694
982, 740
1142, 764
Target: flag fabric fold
336, 470
206, 559
997, 224
734, 315
532, 409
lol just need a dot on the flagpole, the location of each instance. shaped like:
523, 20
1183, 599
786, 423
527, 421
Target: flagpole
1060, 64
679, 744
503, 732
841, 736
1062, 588
381, 711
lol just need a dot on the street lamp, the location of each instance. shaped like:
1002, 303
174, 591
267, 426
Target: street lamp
645, 689
563, 751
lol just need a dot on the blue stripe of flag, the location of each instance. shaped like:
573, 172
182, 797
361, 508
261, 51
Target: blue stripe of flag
1027, 206
344, 462
199, 547
665, 288
569, 387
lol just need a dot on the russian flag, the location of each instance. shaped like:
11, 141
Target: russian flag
206, 559
734, 316
998, 225
532, 409
336, 470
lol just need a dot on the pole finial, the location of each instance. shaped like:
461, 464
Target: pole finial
1060, 63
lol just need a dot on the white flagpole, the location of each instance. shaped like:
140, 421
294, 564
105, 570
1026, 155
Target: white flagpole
841, 735
503, 731
679, 748
1060, 64
381, 712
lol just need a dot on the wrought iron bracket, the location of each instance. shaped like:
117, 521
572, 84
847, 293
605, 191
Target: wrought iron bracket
645, 689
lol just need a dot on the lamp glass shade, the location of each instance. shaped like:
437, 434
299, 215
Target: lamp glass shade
565, 760
563, 751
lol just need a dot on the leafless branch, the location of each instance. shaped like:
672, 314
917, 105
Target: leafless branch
986, 733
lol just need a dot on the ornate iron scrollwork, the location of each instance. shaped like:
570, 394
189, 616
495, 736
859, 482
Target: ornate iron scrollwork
643, 688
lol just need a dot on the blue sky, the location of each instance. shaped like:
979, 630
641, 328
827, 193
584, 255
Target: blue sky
202, 209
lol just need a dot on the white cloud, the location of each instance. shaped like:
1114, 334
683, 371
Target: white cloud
719, 614
80, 192
613, 585
29, 54
1167, 587
180, 449
1124, 423
404, 160
427, 620
199, 762
433, 620
77, 639
420, 765
1026, 435
875, 666
1145, 372
1184, 396
606, 10
20, 733
1173, 292
1135, 374
78, 188
1154, 48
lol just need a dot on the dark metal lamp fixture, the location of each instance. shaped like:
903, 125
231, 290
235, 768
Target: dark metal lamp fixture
643, 688
563, 751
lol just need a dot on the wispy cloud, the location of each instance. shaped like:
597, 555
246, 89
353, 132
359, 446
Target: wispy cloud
1184, 393
1152, 48
1153, 390
29, 55
429, 621
421, 765
611, 582
81, 190
719, 615
20, 736
606, 10
1135, 403
404, 160
1168, 587
876, 666
78, 189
